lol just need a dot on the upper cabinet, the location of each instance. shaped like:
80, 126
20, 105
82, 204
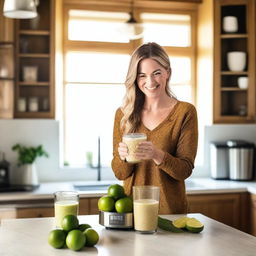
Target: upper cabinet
6, 66
34, 59
234, 61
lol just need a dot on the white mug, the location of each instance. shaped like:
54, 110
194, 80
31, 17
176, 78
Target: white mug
230, 24
236, 61
33, 104
242, 82
22, 104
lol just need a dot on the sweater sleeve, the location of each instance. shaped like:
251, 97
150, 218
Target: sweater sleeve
180, 165
121, 169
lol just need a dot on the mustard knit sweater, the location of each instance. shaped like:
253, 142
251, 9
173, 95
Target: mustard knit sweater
177, 136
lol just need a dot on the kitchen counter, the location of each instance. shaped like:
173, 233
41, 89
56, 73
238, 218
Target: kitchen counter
193, 186
29, 237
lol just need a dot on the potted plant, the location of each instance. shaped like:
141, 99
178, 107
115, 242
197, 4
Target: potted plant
26, 162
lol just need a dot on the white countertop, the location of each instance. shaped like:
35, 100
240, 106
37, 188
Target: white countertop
29, 237
193, 186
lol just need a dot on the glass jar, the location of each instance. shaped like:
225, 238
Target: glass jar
22, 104
33, 104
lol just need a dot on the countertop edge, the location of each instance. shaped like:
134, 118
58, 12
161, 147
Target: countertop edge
195, 186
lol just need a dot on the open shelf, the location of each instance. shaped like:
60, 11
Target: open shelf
35, 68
232, 104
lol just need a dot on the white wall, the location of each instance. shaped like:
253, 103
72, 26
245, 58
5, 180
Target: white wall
223, 132
45, 132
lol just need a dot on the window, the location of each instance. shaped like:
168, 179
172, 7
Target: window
93, 92
97, 55
96, 26
161, 28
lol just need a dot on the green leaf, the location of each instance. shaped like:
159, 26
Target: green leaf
28, 155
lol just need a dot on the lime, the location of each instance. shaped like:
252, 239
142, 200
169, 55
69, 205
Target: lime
56, 238
106, 203
193, 225
92, 237
124, 205
83, 227
116, 191
69, 222
180, 222
75, 240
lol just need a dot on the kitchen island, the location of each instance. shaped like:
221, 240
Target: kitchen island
29, 237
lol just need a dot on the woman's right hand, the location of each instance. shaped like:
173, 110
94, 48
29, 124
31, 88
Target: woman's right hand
122, 150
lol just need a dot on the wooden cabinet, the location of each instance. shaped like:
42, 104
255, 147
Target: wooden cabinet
46, 209
231, 103
88, 206
84, 206
94, 206
35, 212
6, 66
230, 209
253, 214
35, 60
237, 210
7, 213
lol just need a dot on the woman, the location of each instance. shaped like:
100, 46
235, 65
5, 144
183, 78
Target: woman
170, 125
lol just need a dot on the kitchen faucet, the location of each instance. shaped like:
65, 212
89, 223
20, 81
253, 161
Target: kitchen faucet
99, 162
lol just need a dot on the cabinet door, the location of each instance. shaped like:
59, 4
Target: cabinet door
234, 103
221, 207
35, 212
84, 207
94, 206
35, 64
253, 214
6, 26
6, 98
6, 66
7, 213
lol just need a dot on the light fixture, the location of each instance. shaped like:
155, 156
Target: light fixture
20, 9
132, 28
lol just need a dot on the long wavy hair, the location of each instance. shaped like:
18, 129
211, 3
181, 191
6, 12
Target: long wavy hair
134, 98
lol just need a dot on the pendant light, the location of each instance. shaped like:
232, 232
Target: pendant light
20, 9
133, 29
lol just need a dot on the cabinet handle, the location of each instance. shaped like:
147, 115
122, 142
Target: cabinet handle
40, 215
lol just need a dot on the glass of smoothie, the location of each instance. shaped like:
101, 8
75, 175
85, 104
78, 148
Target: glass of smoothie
65, 203
145, 208
132, 140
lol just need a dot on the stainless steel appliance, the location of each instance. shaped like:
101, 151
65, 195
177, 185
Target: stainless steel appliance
241, 160
219, 160
4, 171
116, 220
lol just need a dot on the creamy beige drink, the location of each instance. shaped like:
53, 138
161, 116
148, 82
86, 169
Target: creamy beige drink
145, 215
132, 140
145, 208
63, 208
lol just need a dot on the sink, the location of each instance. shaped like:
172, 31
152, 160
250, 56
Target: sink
92, 187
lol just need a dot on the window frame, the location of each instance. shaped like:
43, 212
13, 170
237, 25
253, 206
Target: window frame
127, 48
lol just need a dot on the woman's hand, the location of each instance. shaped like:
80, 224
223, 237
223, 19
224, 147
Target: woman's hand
122, 150
147, 150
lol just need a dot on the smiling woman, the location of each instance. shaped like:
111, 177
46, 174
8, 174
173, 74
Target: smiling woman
96, 59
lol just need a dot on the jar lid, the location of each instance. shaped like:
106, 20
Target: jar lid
219, 144
239, 144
